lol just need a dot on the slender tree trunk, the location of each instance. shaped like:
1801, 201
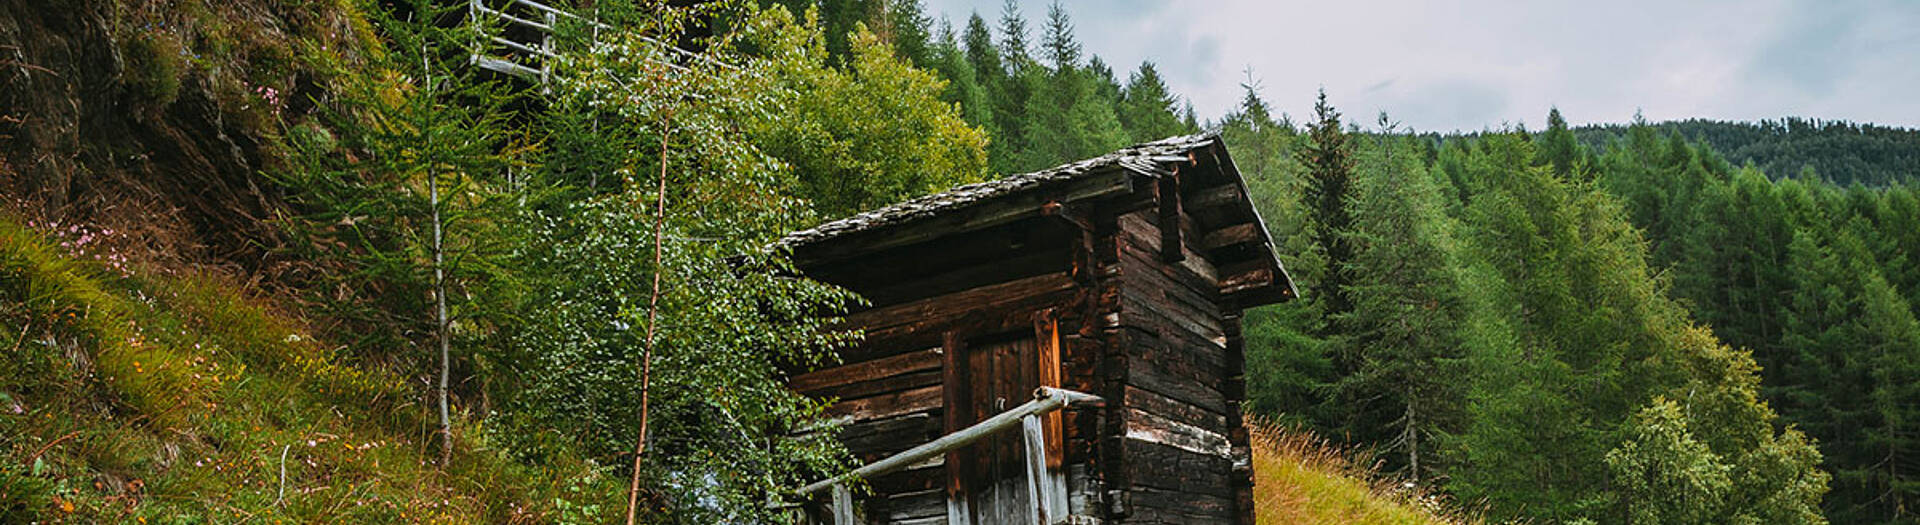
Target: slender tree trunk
1413, 438
653, 316
439, 274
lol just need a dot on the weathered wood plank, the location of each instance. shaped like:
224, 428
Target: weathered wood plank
1168, 192
1189, 506
916, 504
1152, 308
1011, 316
1166, 407
1212, 196
1164, 374
915, 361
1230, 235
1145, 236
1022, 264
1153, 428
843, 506
881, 386
957, 303
1170, 468
889, 405
883, 437
957, 413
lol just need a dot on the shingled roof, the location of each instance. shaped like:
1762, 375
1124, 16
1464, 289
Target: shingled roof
1145, 158
1197, 168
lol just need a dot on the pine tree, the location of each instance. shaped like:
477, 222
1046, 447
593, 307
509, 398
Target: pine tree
1849, 378
409, 218
1570, 335
963, 85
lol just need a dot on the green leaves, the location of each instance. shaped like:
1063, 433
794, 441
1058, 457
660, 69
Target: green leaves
871, 135
1661, 474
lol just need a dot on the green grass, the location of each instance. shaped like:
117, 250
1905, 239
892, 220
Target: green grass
1301, 479
127, 398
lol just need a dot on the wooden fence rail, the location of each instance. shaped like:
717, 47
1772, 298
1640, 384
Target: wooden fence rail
540, 50
1043, 508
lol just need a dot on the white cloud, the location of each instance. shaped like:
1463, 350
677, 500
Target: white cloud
1456, 65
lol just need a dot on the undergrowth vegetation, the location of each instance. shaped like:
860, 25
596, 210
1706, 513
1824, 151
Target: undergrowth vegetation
130, 398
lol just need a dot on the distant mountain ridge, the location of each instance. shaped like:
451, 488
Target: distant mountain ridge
1836, 150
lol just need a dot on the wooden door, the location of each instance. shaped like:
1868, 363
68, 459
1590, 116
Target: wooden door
1002, 374
987, 483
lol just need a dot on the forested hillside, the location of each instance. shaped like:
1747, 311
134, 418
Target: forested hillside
1836, 151
284, 260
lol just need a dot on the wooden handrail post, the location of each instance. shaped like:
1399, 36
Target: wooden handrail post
1046, 399
843, 506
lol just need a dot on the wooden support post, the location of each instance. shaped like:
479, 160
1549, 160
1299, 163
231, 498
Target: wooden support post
1169, 197
1040, 496
1046, 335
843, 506
957, 415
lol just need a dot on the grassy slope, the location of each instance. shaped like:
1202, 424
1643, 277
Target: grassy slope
149, 399
1300, 479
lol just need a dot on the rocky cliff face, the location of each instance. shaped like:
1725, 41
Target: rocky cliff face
163, 115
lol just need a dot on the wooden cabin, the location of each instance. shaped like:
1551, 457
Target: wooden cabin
1122, 276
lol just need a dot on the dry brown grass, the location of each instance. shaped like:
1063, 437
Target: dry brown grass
1301, 478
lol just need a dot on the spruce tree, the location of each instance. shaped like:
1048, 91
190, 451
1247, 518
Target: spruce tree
1057, 45
981, 53
1558, 146
1013, 37
1328, 158
1147, 110
1404, 325
909, 29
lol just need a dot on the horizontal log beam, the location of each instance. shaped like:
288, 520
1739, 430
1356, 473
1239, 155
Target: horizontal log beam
1221, 195
909, 362
1242, 233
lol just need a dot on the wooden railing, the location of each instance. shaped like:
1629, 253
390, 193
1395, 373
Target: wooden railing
540, 50
1043, 505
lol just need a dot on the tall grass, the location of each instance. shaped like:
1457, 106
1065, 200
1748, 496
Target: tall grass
130, 398
1300, 478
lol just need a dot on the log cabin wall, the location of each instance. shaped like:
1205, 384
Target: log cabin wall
1182, 385
1006, 294
1062, 278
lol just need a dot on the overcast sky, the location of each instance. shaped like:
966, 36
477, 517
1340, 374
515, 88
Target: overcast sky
1453, 65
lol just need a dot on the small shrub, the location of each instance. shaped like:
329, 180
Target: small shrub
156, 61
